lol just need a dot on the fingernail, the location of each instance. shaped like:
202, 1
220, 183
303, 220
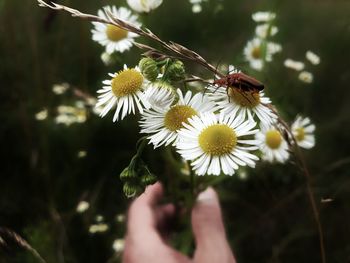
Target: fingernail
207, 195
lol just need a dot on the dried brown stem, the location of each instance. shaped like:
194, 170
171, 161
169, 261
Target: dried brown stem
9, 237
306, 172
173, 47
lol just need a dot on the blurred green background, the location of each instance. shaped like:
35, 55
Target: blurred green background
268, 214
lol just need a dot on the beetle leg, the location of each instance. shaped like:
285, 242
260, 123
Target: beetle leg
243, 93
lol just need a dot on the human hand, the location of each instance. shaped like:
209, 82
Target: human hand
144, 242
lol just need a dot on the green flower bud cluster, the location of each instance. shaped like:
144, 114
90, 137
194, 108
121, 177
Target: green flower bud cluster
136, 177
149, 68
176, 71
172, 69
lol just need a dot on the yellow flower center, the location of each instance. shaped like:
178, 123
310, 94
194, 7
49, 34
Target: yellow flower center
244, 98
177, 115
126, 82
256, 53
217, 139
115, 33
300, 134
273, 139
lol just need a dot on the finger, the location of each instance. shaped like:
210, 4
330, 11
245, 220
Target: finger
209, 231
152, 195
142, 217
164, 219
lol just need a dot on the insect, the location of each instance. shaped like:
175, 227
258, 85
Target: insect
240, 81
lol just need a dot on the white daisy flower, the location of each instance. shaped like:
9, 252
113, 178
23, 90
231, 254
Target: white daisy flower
125, 91
312, 57
292, 64
303, 130
253, 53
272, 144
256, 55
213, 145
163, 123
263, 16
144, 6
266, 30
160, 94
306, 77
236, 102
113, 37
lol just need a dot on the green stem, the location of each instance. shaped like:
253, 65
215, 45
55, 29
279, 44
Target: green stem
140, 146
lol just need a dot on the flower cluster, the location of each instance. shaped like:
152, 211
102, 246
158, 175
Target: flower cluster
260, 49
215, 131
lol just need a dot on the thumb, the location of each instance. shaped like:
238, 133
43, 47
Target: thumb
209, 231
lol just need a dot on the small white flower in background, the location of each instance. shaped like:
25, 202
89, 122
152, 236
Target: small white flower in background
144, 6
234, 102
82, 154
312, 57
160, 94
106, 58
113, 37
79, 104
263, 16
266, 30
82, 206
68, 115
253, 53
186, 168
196, 8
120, 218
272, 144
292, 64
99, 218
306, 77
98, 228
197, 5
272, 48
164, 123
125, 91
303, 131
213, 145
256, 56
118, 245
59, 89
41, 115
242, 174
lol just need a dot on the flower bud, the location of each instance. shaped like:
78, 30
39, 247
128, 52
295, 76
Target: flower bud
148, 179
131, 190
176, 71
124, 175
149, 68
